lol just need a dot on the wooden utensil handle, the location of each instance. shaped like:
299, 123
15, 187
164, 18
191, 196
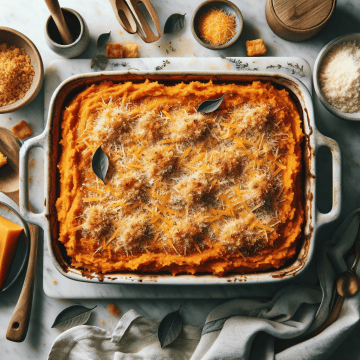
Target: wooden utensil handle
60, 22
19, 322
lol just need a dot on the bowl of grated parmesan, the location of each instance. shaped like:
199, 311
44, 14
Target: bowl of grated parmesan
336, 76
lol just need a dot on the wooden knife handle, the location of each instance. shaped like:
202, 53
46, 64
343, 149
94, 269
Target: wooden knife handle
19, 322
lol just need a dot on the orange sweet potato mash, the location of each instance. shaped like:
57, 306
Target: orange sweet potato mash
185, 192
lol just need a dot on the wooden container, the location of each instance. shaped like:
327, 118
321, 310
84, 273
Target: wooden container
298, 20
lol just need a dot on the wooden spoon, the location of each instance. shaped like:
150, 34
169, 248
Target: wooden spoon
9, 185
60, 22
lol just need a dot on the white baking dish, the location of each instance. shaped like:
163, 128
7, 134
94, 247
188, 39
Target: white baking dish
49, 139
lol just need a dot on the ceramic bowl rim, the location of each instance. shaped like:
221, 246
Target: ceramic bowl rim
232, 40
322, 54
27, 235
27, 99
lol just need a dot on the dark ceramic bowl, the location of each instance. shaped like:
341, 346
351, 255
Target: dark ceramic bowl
23, 246
14, 37
229, 8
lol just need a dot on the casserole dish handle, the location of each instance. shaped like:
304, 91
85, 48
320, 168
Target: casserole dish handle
322, 140
38, 141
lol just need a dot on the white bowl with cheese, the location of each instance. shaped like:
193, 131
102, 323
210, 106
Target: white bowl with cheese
336, 76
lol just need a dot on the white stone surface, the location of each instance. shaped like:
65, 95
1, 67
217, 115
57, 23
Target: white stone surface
29, 18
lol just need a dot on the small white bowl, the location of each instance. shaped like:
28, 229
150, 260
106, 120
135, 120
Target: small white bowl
323, 53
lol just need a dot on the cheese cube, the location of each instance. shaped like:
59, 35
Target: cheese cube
130, 51
9, 236
255, 47
22, 130
3, 160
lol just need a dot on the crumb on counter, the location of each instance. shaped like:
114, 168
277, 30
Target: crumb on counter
130, 51
113, 309
255, 47
114, 50
22, 130
54, 282
102, 322
3, 160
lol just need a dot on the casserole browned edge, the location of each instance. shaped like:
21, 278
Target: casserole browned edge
72, 88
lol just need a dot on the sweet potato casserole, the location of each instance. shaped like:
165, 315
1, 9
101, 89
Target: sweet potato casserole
185, 192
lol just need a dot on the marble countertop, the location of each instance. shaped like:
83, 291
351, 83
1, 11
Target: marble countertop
30, 17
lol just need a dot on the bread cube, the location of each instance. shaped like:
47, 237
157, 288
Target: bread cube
131, 51
255, 47
22, 130
114, 50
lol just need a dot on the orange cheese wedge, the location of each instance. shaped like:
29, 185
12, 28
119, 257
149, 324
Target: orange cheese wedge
9, 236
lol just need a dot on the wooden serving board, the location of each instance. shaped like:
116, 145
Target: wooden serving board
56, 285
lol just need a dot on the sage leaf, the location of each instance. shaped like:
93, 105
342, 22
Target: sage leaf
209, 106
72, 316
174, 23
169, 328
103, 39
100, 164
99, 61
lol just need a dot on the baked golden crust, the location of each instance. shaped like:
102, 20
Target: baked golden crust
186, 192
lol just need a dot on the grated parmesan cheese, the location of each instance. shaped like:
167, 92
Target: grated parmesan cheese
217, 27
340, 77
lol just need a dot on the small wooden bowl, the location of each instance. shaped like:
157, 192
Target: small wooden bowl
229, 8
14, 37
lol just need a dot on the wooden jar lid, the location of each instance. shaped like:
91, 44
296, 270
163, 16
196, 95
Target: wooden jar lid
298, 20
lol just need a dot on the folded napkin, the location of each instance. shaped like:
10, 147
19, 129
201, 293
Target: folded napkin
240, 328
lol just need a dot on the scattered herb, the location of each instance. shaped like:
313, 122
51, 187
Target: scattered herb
72, 316
239, 64
165, 62
209, 106
124, 64
99, 61
169, 328
100, 164
174, 23
103, 39
294, 69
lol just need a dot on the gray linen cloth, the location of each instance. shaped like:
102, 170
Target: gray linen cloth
239, 328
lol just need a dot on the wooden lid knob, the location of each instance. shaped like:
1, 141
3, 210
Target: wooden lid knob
298, 20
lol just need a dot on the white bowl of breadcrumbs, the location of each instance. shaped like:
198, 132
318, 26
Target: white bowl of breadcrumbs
337, 76
21, 70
